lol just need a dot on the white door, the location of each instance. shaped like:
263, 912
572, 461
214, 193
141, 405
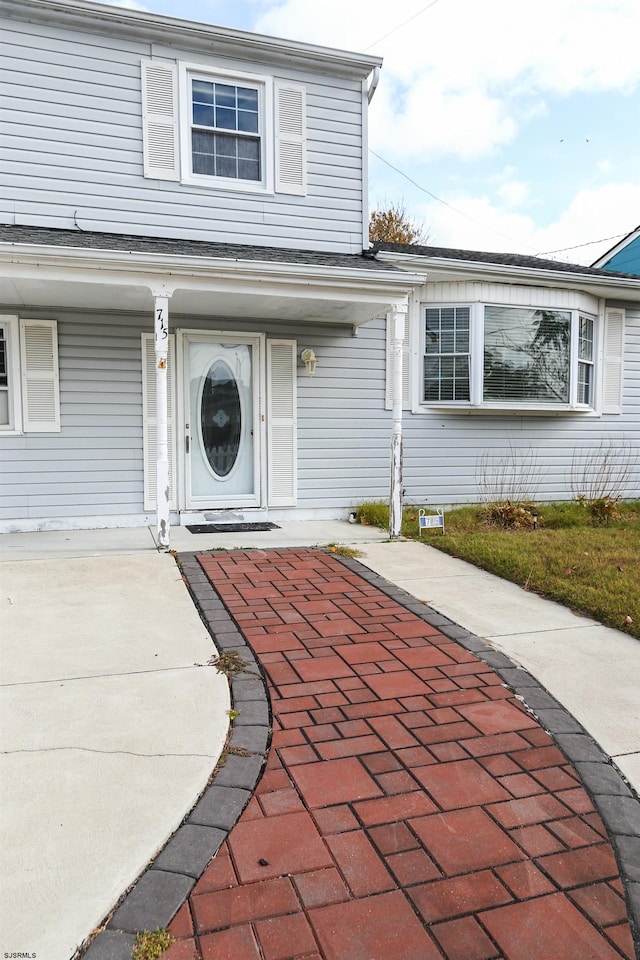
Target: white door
222, 421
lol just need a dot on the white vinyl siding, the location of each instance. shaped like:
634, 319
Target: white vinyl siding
613, 372
149, 421
290, 138
40, 376
160, 120
66, 158
281, 423
93, 468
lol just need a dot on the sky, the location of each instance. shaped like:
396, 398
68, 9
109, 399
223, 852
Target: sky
498, 124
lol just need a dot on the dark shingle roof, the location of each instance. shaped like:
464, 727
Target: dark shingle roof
125, 243
499, 259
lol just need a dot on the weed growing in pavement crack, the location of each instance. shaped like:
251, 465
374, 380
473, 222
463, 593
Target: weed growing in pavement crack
230, 663
151, 945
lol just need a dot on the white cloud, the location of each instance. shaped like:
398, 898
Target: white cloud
592, 215
464, 76
513, 193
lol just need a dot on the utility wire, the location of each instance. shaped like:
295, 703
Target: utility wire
400, 25
444, 202
590, 243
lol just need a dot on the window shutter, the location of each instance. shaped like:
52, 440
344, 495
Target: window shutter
613, 361
160, 120
40, 376
406, 366
290, 138
282, 423
149, 421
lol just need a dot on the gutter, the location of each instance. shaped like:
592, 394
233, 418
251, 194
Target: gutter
172, 31
177, 265
373, 86
500, 270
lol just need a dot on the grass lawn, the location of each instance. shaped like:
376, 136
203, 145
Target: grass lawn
593, 569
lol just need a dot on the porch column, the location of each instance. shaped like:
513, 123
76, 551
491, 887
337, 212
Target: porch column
161, 336
398, 319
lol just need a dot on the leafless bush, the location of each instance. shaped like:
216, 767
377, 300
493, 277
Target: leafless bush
508, 476
601, 476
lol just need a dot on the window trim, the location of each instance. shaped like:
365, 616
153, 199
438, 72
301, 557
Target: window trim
264, 86
33, 376
476, 403
14, 376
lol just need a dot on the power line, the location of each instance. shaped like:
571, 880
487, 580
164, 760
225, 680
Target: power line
400, 25
444, 202
590, 243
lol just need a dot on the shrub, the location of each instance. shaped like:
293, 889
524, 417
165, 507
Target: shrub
600, 477
511, 516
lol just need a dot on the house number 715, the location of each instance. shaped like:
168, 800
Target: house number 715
161, 329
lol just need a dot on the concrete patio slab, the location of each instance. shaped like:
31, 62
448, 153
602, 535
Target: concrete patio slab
49, 544
479, 601
78, 827
109, 733
73, 618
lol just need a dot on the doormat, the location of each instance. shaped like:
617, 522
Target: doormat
231, 527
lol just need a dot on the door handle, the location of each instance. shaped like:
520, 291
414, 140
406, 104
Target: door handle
186, 442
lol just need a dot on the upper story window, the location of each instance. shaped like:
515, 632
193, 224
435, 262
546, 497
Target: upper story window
226, 123
504, 356
223, 130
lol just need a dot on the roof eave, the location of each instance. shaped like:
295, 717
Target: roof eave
176, 265
616, 248
498, 271
172, 31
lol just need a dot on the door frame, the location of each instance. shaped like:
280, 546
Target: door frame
258, 341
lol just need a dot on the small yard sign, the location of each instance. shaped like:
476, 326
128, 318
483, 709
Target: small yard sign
429, 520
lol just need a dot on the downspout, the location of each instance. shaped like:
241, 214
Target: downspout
398, 319
373, 86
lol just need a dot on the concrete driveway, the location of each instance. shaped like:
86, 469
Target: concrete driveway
112, 724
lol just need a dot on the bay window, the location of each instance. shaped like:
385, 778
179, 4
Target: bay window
506, 356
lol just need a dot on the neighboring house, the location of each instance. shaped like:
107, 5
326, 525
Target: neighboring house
624, 256
183, 239
516, 370
207, 185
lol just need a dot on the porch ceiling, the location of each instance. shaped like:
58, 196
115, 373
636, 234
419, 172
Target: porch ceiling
293, 292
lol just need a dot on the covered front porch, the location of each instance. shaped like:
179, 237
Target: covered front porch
224, 335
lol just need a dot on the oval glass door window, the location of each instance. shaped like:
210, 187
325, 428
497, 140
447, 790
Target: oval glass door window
220, 418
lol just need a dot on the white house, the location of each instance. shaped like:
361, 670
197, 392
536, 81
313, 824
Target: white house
184, 217
183, 241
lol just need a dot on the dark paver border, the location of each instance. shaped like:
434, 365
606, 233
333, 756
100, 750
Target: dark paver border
164, 886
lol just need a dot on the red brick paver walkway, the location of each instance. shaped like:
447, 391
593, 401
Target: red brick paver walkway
411, 808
